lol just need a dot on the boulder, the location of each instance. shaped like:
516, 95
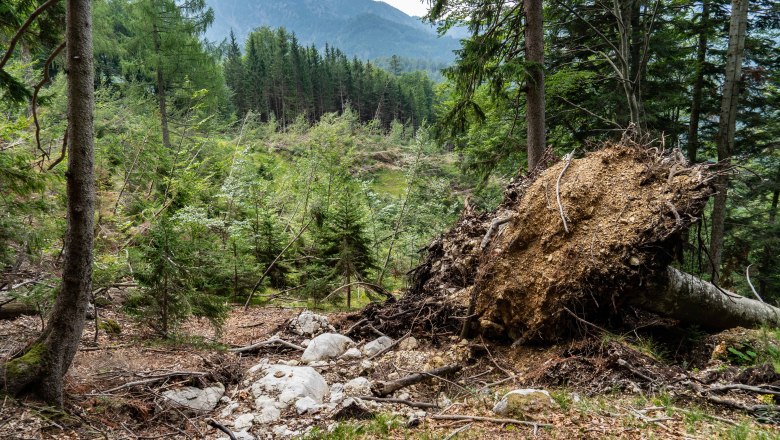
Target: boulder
377, 345
244, 421
205, 399
310, 324
306, 405
326, 346
525, 403
352, 408
337, 393
352, 354
359, 386
284, 384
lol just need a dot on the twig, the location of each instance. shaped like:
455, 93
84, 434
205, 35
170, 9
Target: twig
36, 90
458, 431
411, 403
391, 346
22, 29
584, 321
271, 341
567, 158
739, 386
214, 424
355, 325
677, 218
504, 380
747, 275
489, 419
154, 379
493, 225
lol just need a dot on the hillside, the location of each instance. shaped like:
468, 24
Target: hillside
364, 28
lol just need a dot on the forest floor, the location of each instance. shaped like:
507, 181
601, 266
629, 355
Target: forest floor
115, 385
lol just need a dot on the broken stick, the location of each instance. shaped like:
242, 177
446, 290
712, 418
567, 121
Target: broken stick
382, 389
489, 419
265, 343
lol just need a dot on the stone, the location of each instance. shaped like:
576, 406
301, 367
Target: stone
244, 421
310, 324
306, 405
409, 344
244, 435
352, 353
525, 403
326, 346
228, 410
377, 345
352, 408
205, 399
337, 392
284, 384
268, 413
359, 386
366, 365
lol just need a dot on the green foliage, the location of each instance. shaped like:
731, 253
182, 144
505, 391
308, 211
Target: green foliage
166, 272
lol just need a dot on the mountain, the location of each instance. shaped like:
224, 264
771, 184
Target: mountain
367, 29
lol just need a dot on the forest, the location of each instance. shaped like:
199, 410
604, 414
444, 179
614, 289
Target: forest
569, 232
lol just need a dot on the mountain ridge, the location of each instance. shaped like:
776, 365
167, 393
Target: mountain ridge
367, 29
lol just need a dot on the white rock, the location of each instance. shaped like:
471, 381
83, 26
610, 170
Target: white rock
352, 353
285, 384
205, 399
244, 435
326, 346
305, 342
268, 414
306, 405
377, 345
359, 386
366, 364
244, 421
259, 366
409, 343
228, 410
337, 392
280, 430
310, 324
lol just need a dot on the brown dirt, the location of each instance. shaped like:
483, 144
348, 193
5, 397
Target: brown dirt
622, 228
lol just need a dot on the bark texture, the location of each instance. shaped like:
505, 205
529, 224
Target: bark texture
687, 298
535, 108
43, 365
727, 127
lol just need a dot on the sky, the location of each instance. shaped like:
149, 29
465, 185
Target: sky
417, 8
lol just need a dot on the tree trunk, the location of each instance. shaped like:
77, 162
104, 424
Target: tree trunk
43, 365
534, 53
727, 127
690, 299
698, 84
160, 85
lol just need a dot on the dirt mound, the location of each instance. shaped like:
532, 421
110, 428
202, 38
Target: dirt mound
624, 207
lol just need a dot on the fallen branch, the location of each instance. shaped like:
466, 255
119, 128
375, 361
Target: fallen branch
154, 379
742, 387
535, 425
750, 283
424, 405
458, 431
214, 424
567, 158
266, 343
391, 346
383, 388
493, 225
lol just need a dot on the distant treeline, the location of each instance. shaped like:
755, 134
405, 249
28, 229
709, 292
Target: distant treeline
276, 77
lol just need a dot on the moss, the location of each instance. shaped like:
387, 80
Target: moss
31, 360
110, 326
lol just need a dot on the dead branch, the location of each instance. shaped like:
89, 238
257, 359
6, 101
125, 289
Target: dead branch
22, 29
266, 343
566, 158
213, 423
157, 378
535, 425
743, 387
383, 388
424, 405
493, 225
37, 89
458, 431
750, 283
391, 346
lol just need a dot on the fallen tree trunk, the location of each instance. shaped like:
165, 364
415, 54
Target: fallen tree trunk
11, 308
690, 299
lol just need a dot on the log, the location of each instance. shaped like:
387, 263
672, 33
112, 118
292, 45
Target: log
690, 299
382, 389
11, 308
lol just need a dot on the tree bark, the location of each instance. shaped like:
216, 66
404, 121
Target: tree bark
534, 53
685, 297
43, 365
727, 127
698, 84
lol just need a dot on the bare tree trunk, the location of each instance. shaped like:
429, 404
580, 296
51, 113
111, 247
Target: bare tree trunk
690, 299
698, 84
43, 365
160, 85
534, 53
727, 127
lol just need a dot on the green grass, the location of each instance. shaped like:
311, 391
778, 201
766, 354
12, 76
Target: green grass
389, 182
381, 426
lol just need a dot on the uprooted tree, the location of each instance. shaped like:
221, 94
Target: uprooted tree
579, 241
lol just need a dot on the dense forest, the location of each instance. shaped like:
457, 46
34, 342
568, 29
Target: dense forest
266, 172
